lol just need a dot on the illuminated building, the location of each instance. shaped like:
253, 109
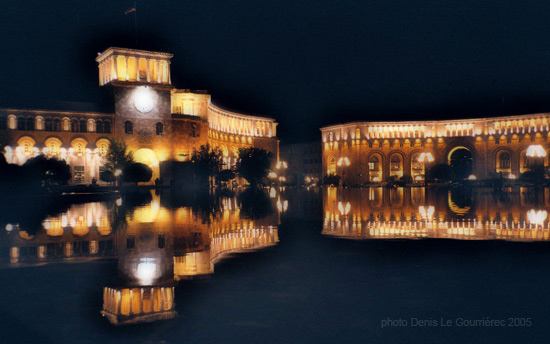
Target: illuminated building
483, 147
158, 122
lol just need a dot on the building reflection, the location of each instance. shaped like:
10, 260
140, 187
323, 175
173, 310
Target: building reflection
157, 240
84, 232
415, 213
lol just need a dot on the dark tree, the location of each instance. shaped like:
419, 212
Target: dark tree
254, 164
137, 172
118, 156
207, 162
107, 176
49, 171
441, 172
226, 175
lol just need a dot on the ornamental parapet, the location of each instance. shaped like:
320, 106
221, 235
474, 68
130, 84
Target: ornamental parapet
522, 124
235, 123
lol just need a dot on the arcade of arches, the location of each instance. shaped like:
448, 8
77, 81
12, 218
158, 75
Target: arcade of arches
482, 147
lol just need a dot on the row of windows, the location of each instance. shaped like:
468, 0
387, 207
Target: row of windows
129, 128
55, 124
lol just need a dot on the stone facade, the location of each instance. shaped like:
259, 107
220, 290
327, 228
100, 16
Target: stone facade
364, 152
158, 122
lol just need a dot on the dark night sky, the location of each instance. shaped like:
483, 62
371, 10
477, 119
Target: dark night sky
305, 63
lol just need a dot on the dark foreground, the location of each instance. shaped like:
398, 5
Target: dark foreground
308, 288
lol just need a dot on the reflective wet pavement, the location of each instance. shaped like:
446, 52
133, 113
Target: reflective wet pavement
247, 268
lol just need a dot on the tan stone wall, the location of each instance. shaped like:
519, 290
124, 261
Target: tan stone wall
484, 139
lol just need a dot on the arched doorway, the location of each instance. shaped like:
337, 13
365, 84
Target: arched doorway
375, 168
149, 158
396, 165
460, 159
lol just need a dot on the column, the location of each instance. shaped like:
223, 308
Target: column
158, 71
148, 72
127, 72
137, 69
115, 76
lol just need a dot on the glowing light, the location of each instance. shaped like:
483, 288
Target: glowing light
472, 177
308, 179
282, 164
344, 210
9, 227
376, 179
512, 176
272, 193
272, 175
535, 151
418, 178
143, 100
282, 206
426, 213
282, 179
537, 217
428, 157
343, 161
118, 172
119, 202
146, 270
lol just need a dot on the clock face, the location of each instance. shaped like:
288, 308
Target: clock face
143, 100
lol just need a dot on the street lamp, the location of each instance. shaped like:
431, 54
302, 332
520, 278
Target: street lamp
118, 172
282, 165
343, 161
425, 158
537, 154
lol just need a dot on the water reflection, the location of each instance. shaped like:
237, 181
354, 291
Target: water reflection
158, 239
413, 213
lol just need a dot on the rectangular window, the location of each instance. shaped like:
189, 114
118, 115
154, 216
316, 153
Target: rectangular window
79, 173
131, 243
161, 241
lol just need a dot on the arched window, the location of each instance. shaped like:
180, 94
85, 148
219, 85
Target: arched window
102, 146
99, 127
91, 125
332, 166
57, 124
39, 123
374, 163
74, 126
66, 124
375, 168
107, 127
83, 126
395, 163
20, 123
128, 128
504, 160
160, 128
12, 122
29, 123
54, 146
48, 124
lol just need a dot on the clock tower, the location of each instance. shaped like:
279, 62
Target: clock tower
141, 85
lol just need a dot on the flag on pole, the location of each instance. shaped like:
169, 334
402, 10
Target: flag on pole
131, 9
